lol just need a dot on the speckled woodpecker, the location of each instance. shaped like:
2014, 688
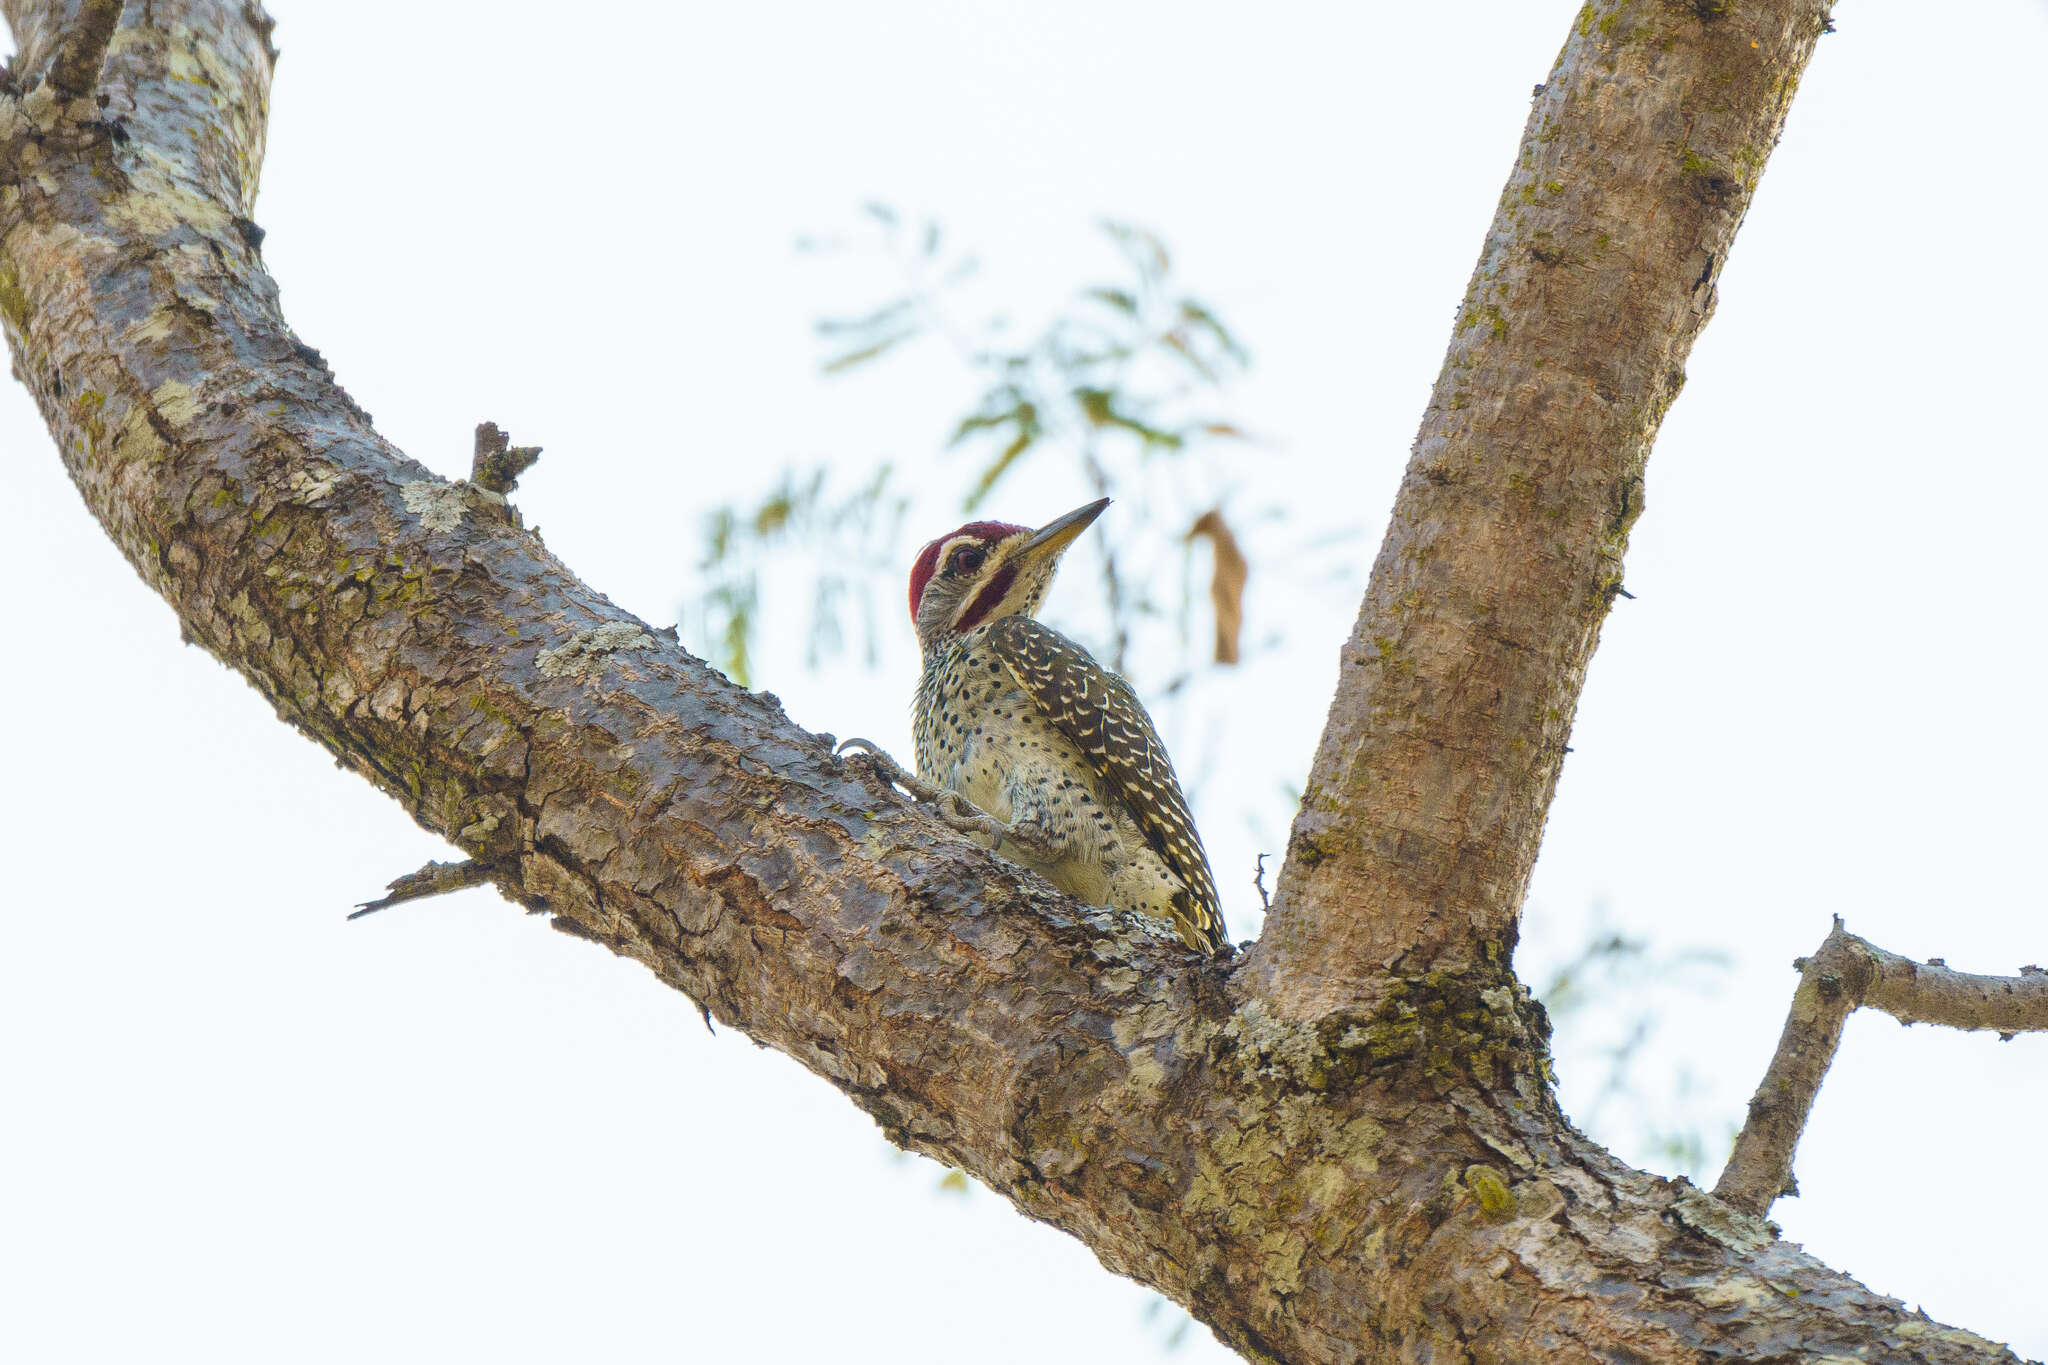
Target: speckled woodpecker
1023, 737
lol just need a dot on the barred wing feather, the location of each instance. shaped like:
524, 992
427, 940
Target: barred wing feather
1099, 712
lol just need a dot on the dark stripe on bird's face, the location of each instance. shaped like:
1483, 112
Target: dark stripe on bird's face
986, 600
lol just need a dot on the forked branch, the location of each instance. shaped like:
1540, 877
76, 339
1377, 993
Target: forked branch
1847, 973
1388, 1179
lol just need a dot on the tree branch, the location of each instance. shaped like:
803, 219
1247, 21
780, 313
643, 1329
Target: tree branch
1846, 974
435, 879
76, 68
1456, 690
1385, 1182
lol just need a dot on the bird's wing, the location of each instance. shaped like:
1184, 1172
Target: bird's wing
1100, 713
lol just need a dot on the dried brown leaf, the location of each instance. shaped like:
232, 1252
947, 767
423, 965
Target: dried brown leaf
1226, 582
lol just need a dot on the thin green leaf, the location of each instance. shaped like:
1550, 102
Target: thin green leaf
1178, 344
863, 354
737, 601
773, 514
1145, 252
1118, 299
866, 322
1000, 466
1020, 410
718, 529
1209, 322
1099, 407
1096, 405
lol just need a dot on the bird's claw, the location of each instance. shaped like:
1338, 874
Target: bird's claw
887, 768
950, 806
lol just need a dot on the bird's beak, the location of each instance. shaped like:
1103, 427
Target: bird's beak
1055, 536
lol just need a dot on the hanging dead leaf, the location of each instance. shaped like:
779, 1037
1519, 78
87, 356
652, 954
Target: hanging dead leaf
1226, 583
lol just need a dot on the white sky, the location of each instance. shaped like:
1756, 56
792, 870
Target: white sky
240, 1128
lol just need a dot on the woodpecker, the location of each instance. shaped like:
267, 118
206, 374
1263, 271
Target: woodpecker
1024, 738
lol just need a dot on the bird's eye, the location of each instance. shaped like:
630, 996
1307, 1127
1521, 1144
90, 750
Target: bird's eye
967, 559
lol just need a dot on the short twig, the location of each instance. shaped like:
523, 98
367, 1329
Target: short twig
497, 463
435, 879
1846, 973
1259, 881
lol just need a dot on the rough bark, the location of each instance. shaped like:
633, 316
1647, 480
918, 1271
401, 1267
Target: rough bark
1385, 1179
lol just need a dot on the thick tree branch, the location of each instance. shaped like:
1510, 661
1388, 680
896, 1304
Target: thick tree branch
1846, 974
1389, 1182
1456, 691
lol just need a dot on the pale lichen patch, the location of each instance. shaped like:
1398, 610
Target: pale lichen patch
174, 402
248, 620
1282, 1252
584, 655
155, 212
1358, 1142
1121, 979
1374, 1247
138, 439
439, 506
1729, 1226
1146, 1071
1513, 1151
39, 106
160, 325
1744, 1292
308, 488
1285, 1049
1538, 1200
1146, 1024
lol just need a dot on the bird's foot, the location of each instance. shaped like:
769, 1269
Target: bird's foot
887, 768
1036, 840
955, 809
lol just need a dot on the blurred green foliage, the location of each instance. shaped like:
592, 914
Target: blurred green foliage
1127, 374
1606, 1004
853, 530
